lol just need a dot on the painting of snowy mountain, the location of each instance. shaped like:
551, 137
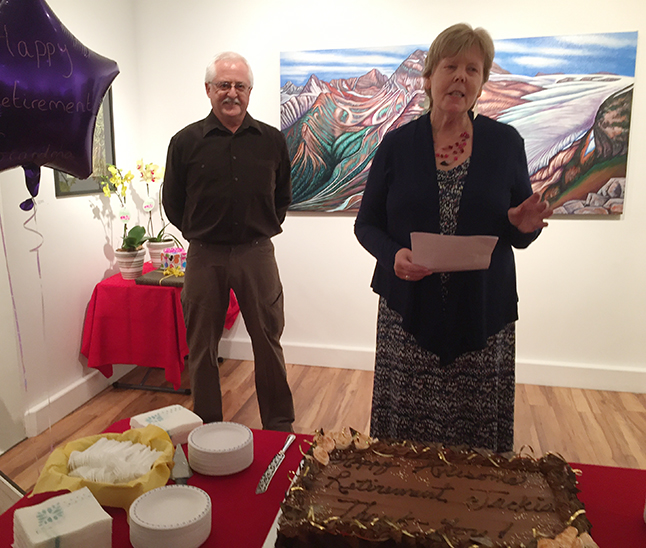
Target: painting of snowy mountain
570, 97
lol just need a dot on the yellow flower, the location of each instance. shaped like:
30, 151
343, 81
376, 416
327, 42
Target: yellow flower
149, 173
117, 182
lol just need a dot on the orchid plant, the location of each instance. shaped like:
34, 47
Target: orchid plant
118, 182
152, 173
134, 240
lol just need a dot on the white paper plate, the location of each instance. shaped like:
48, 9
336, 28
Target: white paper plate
171, 507
220, 437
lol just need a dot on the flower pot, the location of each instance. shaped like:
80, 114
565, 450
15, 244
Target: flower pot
131, 263
155, 250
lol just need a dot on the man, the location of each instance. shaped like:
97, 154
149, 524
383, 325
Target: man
227, 188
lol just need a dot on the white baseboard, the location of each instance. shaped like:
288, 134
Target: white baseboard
322, 356
41, 416
569, 375
575, 375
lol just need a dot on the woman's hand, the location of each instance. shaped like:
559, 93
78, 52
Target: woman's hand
406, 269
530, 215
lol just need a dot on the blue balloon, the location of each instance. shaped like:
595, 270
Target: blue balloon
51, 88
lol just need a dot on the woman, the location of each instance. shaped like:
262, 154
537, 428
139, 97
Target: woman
444, 368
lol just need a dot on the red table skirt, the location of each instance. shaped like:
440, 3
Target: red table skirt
138, 324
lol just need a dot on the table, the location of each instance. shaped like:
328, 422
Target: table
240, 517
138, 324
614, 499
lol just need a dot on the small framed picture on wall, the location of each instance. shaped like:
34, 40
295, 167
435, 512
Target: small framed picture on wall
102, 156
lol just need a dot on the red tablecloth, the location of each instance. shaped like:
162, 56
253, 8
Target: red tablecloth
613, 497
138, 324
241, 519
614, 501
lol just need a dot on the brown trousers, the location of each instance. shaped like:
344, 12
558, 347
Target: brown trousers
251, 271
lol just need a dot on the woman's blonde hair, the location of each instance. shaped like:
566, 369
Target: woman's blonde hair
455, 40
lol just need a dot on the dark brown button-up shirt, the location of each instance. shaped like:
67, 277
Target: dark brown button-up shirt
227, 188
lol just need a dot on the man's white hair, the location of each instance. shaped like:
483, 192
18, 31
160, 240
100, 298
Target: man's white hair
211, 75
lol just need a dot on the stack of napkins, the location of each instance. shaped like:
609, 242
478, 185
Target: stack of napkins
175, 419
74, 520
112, 461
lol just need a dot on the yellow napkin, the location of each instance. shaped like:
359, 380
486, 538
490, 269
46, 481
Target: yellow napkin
54, 475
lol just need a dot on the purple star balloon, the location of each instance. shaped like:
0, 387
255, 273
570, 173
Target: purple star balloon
51, 88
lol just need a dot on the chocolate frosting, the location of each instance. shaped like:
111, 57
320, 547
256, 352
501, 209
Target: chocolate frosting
409, 494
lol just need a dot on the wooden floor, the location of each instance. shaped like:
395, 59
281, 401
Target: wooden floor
587, 426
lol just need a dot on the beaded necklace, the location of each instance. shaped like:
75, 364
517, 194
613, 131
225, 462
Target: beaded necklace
450, 153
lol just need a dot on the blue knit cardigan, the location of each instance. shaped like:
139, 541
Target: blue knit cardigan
401, 196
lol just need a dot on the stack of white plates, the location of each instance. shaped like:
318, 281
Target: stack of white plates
174, 516
220, 448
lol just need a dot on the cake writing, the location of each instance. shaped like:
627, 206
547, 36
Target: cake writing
443, 471
496, 500
358, 462
370, 485
360, 510
363, 512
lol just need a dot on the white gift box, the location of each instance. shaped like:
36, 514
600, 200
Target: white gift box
174, 257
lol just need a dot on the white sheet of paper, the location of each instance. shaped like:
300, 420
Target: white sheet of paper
442, 253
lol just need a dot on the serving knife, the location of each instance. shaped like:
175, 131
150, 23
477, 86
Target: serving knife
181, 470
263, 484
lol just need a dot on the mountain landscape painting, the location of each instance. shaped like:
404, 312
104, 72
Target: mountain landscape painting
570, 97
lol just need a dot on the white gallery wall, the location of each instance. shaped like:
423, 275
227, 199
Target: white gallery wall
582, 296
55, 260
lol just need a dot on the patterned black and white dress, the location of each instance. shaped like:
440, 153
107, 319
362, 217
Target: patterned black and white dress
469, 401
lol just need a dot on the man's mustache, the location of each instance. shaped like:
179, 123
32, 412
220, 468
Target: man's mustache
233, 100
